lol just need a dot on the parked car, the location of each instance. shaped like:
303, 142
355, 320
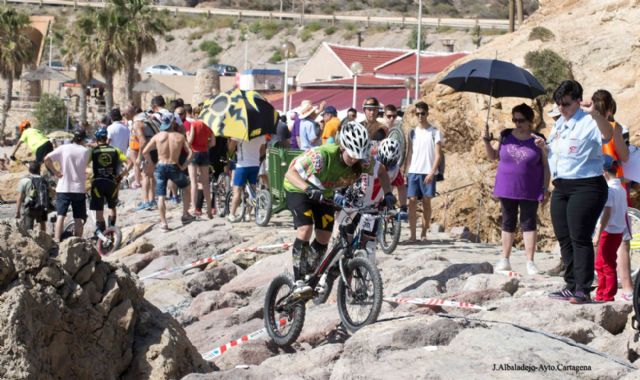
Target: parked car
60, 66
224, 70
166, 70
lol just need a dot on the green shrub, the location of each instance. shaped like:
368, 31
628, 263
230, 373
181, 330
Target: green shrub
269, 29
549, 68
348, 34
313, 26
255, 27
444, 9
50, 113
275, 57
541, 33
350, 26
230, 38
413, 38
212, 49
329, 30
169, 37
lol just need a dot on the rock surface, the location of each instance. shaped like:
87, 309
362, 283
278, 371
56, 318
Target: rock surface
77, 317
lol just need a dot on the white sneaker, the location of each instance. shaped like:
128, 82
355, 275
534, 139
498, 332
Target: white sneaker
503, 264
532, 269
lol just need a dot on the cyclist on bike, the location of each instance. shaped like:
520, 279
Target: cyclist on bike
108, 169
312, 177
374, 186
35, 140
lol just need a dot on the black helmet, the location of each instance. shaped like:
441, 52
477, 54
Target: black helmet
79, 135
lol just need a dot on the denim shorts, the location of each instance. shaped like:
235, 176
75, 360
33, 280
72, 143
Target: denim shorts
243, 175
200, 159
77, 201
417, 187
166, 172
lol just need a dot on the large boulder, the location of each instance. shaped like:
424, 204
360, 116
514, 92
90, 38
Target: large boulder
78, 317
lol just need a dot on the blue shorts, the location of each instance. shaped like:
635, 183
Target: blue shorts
417, 187
247, 174
166, 172
77, 201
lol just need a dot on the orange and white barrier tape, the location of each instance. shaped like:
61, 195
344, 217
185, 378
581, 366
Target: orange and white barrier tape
509, 273
245, 338
194, 264
263, 248
434, 302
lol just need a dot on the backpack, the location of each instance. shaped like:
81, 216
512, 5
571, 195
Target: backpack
440, 175
37, 195
151, 127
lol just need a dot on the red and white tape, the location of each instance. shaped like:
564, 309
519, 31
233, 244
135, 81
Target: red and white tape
434, 302
194, 264
263, 248
508, 273
245, 338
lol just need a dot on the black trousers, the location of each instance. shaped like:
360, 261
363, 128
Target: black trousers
576, 205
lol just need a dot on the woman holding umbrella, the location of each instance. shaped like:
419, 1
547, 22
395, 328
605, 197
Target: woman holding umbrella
522, 180
580, 190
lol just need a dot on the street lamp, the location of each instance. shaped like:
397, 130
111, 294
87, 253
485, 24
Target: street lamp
409, 83
418, 43
356, 69
286, 50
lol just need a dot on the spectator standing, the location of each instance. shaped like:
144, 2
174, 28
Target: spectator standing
27, 205
129, 114
248, 154
352, 114
118, 132
608, 236
424, 152
71, 189
200, 138
310, 135
522, 181
580, 190
377, 130
331, 124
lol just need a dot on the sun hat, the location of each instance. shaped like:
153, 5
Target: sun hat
306, 108
166, 120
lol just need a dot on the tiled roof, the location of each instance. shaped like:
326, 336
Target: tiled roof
368, 57
429, 64
342, 98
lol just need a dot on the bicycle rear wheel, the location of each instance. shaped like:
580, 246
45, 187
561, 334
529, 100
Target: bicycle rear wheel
263, 208
389, 234
283, 320
359, 303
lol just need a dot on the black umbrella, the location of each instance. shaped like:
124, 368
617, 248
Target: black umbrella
494, 78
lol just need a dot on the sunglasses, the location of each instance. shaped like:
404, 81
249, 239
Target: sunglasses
518, 120
420, 113
391, 116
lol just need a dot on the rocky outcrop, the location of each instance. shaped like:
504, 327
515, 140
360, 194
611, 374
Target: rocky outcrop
76, 317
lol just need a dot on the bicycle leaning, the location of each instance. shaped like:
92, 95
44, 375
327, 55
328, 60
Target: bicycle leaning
359, 290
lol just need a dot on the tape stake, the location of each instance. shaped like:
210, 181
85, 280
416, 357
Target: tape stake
509, 273
245, 338
434, 302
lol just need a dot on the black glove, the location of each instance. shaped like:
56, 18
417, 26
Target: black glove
339, 200
13, 158
314, 194
389, 200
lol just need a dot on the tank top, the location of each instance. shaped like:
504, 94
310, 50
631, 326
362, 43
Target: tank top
520, 174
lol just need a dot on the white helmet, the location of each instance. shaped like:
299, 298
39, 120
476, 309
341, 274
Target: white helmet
354, 138
389, 152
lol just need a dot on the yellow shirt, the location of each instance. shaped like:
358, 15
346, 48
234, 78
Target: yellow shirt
330, 129
33, 138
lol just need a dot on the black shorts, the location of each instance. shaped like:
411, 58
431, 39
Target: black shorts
103, 190
34, 216
307, 212
43, 150
200, 159
77, 201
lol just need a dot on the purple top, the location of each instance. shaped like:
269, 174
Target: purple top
520, 174
295, 132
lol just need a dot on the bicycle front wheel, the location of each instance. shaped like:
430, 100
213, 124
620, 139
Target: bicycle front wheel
263, 208
283, 319
360, 299
114, 238
389, 235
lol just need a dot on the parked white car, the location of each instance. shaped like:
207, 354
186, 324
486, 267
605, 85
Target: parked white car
166, 70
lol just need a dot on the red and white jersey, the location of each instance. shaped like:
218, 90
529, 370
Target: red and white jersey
370, 184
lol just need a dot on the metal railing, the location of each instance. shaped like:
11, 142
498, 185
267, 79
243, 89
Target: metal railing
460, 23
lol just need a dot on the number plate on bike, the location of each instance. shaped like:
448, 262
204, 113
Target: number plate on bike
367, 222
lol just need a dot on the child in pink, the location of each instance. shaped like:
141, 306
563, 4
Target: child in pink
609, 233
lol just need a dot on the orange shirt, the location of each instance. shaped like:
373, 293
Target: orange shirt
610, 149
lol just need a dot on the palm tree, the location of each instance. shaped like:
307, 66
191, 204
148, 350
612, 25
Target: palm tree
519, 14
143, 25
16, 49
80, 50
111, 41
512, 22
